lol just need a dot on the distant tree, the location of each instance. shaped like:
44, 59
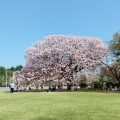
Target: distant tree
2, 70
12, 68
7, 73
19, 67
2, 74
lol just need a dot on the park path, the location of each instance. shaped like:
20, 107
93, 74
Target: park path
4, 88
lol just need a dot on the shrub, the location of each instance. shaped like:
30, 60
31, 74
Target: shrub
116, 84
97, 84
109, 83
89, 87
83, 85
118, 89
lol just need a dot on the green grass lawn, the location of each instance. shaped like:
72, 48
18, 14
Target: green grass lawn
59, 106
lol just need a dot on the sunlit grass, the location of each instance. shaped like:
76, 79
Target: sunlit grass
59, 106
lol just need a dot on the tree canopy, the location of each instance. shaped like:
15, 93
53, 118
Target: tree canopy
61, 59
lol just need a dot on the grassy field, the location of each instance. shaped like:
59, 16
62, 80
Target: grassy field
59, 106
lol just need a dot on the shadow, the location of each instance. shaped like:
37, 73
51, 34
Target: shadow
43, 118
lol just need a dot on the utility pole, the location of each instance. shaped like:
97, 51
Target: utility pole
2, 80
6, 77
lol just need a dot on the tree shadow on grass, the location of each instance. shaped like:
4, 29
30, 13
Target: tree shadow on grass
43, 118
6, 91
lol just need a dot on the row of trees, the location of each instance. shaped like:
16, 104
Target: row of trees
6, 74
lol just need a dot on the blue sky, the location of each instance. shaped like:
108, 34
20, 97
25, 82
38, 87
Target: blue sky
23, 22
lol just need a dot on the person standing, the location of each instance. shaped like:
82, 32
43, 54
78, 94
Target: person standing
93, 85
104, 86
12, 86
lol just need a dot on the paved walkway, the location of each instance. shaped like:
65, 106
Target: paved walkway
4, 88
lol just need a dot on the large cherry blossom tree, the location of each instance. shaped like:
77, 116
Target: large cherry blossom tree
62, 59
